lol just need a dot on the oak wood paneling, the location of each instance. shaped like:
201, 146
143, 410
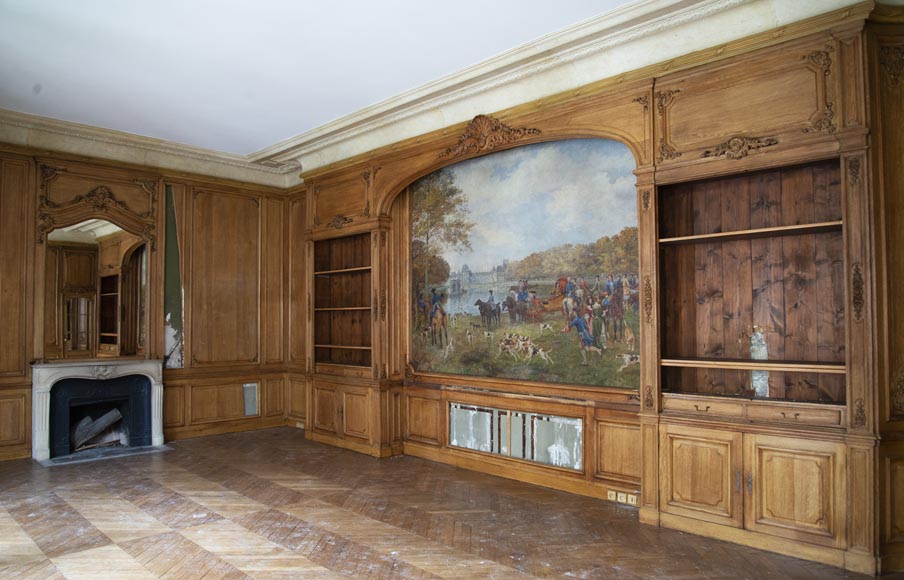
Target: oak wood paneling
356, 413
297, 281
274, 250
274, 397
174, 406
13, 424
211, 403
15, 237
225, 279
424, 421
618, 450
297, 398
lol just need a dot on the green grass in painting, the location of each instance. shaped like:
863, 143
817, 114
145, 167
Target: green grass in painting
481, 356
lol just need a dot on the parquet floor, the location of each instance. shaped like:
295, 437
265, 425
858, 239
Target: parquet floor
268, 504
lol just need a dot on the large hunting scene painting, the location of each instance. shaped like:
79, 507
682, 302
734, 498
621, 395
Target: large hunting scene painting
525, 266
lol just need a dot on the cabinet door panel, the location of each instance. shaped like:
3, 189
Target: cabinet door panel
356, 414
325, 409
701, 474
797, 489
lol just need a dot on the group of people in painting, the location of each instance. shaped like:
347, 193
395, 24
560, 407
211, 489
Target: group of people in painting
597, 310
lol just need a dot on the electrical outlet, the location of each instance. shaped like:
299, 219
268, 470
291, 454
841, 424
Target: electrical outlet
632, 500
610, 495
622, 497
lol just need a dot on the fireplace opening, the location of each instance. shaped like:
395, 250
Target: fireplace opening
99, 424
88, 414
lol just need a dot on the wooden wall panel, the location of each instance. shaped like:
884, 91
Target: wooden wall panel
343, 198
225, 279
273, 394
15, 238
63, 181
356, 413
174, 406
297, 275
424, 421
274, 252
216, 402
297, 398
618, 450
13, 424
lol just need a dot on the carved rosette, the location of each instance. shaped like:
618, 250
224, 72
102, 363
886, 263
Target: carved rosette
854, 171
857, 299
339, 222
648, 402
859, 420
824, 122
485, 133
891, 60
648, 298
739, 147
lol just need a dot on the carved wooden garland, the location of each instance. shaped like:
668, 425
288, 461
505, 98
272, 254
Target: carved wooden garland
739, 147
891, 58
485, 133
897, 395
648, 402
339, 221
857, 298
648, 298
859, 414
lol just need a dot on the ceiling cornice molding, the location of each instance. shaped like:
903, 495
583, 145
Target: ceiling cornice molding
648, 25
67, 137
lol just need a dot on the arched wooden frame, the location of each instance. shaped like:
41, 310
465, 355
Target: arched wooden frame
483, 136
99, 201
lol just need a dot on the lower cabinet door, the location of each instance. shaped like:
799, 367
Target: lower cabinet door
700, 471
325, 408
795, 489
355, 413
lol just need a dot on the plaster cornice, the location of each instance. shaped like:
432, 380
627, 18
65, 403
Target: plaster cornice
64, 136
634, 37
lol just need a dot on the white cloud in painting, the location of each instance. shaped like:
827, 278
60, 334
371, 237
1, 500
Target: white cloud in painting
540, 196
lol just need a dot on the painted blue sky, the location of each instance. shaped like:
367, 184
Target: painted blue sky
536, 197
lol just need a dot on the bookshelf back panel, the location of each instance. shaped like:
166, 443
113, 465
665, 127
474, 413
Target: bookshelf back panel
790, 196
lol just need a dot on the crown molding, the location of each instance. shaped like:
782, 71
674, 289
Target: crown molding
635, 36
66, 137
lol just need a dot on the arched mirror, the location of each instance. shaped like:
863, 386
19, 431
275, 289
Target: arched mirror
95, 292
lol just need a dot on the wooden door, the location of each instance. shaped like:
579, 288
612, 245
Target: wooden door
700, 472
795, 489
355, 413
325, 410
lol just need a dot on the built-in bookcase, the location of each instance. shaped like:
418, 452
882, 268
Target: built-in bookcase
342, 301
752, 295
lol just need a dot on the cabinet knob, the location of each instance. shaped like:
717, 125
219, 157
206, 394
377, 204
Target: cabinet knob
704, 409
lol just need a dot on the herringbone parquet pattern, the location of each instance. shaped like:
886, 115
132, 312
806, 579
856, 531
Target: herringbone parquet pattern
268, 504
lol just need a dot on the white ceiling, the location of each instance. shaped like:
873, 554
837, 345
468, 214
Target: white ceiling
238, 76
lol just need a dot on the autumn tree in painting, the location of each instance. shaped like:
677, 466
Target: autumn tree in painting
439, 223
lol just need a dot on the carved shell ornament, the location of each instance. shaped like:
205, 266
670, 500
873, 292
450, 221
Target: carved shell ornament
485, 133
740, 147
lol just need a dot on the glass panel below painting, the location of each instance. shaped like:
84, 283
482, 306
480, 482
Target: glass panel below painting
539, 437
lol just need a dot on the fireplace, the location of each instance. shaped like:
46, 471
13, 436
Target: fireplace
125, 400
64, 394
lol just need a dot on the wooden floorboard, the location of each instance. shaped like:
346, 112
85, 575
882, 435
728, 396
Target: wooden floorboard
269, 504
